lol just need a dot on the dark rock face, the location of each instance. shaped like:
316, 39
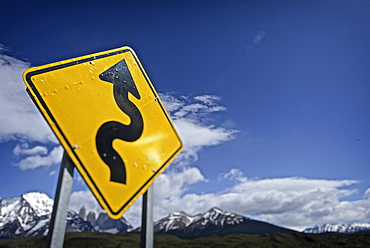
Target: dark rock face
106, 224
91, 218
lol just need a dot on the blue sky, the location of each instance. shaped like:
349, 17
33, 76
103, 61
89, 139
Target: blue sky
271, 99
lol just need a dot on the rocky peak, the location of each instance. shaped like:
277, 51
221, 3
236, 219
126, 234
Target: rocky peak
91, 218
82, 213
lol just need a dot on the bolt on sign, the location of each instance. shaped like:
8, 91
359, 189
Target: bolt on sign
107, 115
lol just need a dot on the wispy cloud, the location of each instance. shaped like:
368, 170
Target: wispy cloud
40, 157
367, 193
233, 174
24, 149
192, 118
20, 118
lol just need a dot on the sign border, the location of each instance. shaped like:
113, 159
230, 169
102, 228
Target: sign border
63, 139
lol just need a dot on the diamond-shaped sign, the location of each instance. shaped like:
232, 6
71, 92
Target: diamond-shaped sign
107, 115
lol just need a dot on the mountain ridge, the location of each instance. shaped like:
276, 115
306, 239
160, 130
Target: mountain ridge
339, 228
30, 213
214, 222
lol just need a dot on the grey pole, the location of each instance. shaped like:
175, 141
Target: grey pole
147, 219
58, 221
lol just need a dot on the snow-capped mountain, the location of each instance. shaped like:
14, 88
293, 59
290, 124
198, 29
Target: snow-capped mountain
29, 215
214, 222
339, 228
181, 220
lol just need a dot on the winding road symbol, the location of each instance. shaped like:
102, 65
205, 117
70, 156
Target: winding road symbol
119, 75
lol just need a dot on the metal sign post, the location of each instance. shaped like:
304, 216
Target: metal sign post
147, 219
58, 221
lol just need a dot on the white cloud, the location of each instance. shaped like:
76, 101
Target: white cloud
35, 161
208, 99
168, 187
291, 202
233, 174
196, 135
171, 102
173, 184
84, 198
23, 149
21, 121
191, 107
191, 119
20, 118
367, 193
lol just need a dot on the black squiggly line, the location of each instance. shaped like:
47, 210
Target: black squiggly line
120, 76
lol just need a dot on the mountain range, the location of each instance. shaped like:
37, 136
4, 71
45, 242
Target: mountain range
214, 222
339, 228
29, 215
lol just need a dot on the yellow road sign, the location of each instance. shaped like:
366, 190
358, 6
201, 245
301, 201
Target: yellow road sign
107, 115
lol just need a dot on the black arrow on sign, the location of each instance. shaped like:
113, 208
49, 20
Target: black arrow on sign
119, 75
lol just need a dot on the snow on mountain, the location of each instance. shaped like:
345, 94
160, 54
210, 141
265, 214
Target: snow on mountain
219, 217
214, 222
339, 228
181, 220
174, 221
29, 215
40, 202
24, 214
